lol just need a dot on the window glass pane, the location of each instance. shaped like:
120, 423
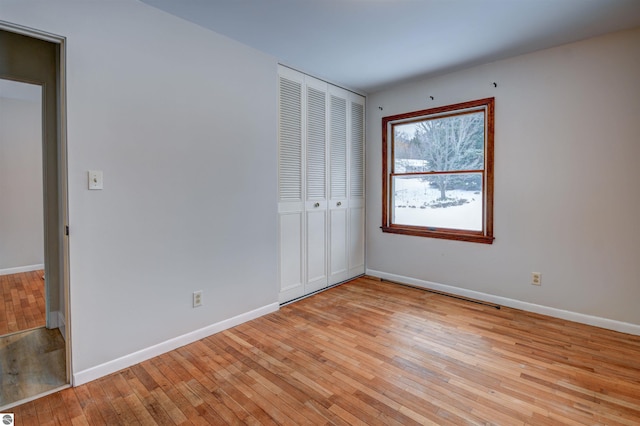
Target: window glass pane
451, 201
440, 144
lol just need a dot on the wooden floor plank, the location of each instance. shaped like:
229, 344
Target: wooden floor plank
371, 352
22, 301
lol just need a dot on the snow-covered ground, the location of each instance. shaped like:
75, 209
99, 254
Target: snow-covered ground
411, 194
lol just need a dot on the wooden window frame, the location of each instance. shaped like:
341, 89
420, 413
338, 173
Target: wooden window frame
484, 236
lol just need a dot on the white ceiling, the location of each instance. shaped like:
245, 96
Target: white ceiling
369, 44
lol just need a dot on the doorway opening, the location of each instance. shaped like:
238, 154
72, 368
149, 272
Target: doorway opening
34, 324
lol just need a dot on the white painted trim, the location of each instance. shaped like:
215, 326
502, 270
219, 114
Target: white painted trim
20, 269
30, 32
109, 367
54, 320
623, 327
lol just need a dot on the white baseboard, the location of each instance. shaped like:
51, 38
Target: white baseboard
118, 364
609, 324
20, 269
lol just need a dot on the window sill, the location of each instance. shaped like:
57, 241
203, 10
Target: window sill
447, 235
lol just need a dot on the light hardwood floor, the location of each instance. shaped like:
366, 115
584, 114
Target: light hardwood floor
22, 301
370, 352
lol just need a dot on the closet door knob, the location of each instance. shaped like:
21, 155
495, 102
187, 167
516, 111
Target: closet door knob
316, 205
339, 203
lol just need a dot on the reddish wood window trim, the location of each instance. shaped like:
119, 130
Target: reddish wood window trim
485, 236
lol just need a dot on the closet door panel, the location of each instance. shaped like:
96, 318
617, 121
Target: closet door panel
291, 219
338, 261
356, 239
316, 249
291, 255
316, 184
338, 185
356, 187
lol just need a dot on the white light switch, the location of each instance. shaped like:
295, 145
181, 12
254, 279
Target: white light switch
95, 179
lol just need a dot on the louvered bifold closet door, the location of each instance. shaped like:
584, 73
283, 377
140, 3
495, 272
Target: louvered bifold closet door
320, 197
316, 178
356, 187
291, 215
338, 202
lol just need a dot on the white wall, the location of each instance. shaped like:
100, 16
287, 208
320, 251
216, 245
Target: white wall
21, 214
182, 122
567, 195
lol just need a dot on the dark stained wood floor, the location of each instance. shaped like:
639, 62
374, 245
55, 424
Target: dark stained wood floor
22, 302
370, 352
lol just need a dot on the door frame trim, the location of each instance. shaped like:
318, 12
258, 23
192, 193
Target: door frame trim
62, 172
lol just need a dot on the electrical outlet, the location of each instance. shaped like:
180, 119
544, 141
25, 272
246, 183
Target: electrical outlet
197, 298
536, 278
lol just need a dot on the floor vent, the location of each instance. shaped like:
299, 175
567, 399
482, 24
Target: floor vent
442, 293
